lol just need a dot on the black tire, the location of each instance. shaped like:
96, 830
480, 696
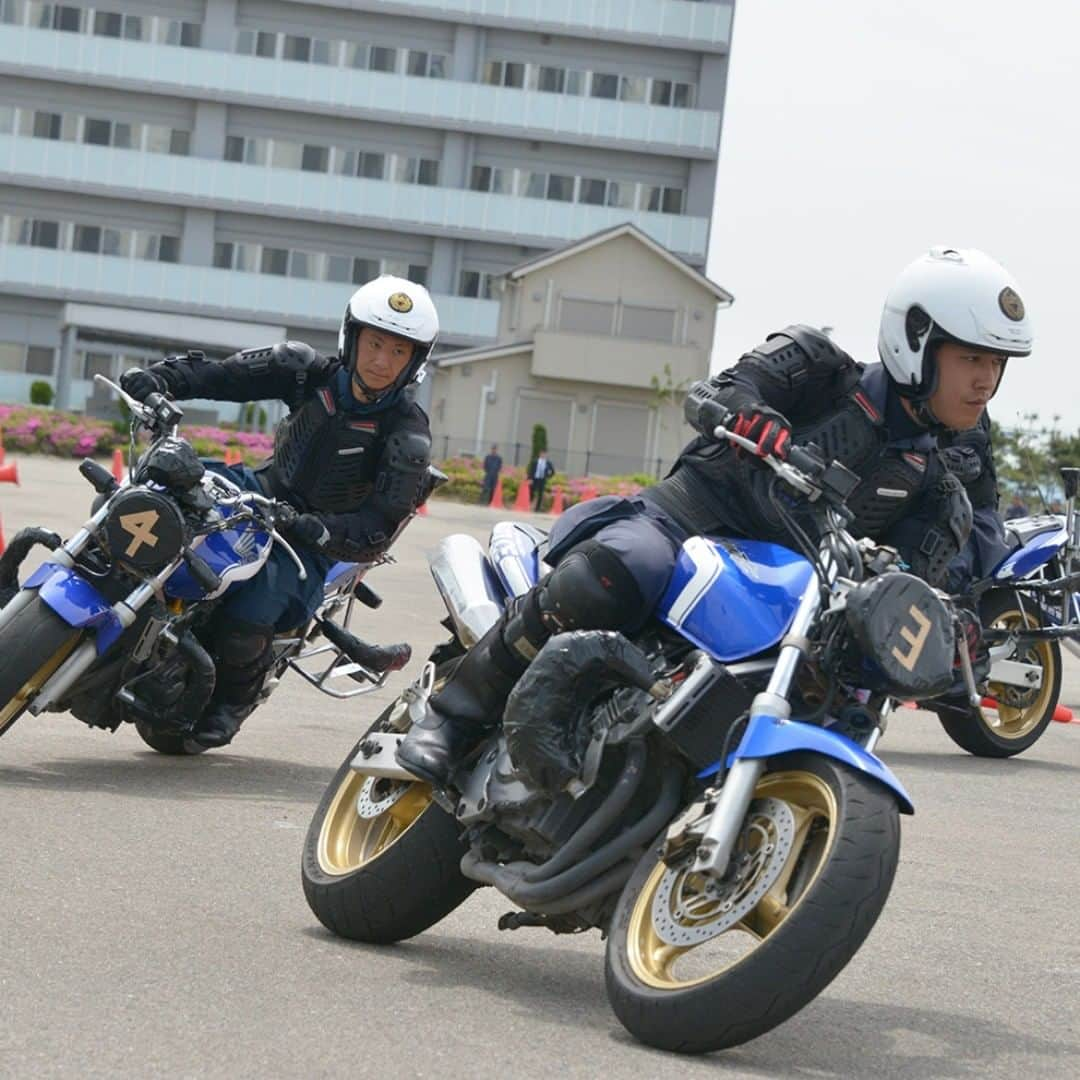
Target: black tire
32, 646
1016, 729
837, 891
167, 742
407, 885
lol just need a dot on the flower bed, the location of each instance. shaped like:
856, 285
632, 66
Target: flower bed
467, 481
43, 431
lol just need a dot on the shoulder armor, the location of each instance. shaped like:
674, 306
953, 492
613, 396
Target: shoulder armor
798, 353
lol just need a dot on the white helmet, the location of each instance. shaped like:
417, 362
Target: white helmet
948, 295
398, 306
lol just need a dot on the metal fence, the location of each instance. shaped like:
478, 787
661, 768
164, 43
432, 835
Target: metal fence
571, 462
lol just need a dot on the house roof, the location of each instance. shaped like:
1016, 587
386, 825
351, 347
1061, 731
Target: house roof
602, 237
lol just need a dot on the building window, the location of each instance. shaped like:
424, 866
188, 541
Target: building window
593, 192
47, 125
274, 261
45, 234
97, 132
364, 270
663, 200
40, 361
647, 323
296, 48
315, 159
586, 316
633, 88
427, 172
605, 86
169, 249
477, 283
223, 255
97, 363
551, 80
12, 356
108, 23
560, 188
86, 238
383, 58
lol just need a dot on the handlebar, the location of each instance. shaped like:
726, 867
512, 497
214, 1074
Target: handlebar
157, 412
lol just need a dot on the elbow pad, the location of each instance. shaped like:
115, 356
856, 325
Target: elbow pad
400, 481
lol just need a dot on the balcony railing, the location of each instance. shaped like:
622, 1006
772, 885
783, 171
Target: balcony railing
222, 185
704, 27
142, 67
198, 290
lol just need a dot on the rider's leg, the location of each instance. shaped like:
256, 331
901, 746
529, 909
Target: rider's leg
243, 652
609, 582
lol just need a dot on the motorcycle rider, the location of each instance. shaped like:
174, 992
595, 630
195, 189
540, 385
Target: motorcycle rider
351, 457
950, 322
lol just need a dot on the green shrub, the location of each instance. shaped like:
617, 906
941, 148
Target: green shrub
41, 393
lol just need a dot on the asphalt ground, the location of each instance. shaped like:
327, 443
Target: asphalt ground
152, 921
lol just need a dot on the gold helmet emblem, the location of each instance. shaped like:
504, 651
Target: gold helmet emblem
400, 302
1011, 304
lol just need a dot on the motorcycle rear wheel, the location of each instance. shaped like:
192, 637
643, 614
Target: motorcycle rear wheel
685, 973
384, 877
33, 645
1022, 715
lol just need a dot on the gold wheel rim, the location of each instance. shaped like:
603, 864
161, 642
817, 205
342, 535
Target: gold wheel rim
1015, 722
10, 712
347, 841
813, 803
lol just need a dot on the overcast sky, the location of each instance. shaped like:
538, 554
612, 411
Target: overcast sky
857, 134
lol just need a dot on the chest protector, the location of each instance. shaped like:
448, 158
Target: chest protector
891, 476
326, 457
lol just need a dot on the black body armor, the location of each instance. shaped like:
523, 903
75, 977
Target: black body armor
906, 496
363, 471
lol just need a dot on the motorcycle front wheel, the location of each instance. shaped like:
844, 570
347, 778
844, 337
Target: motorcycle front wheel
32, 646
695, 965
381, 858
1021, 715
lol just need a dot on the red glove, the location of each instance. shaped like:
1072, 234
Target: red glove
768, 428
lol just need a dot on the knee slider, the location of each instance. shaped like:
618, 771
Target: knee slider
591, 589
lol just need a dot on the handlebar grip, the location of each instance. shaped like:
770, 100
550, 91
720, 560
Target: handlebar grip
200, 569
805, 461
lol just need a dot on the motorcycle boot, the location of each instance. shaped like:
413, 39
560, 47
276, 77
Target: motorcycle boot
590, 589
244, 653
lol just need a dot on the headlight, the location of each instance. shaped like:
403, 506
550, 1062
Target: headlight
145, 530
904, 628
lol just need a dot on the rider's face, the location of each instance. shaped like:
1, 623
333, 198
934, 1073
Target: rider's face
379, 359
967, 377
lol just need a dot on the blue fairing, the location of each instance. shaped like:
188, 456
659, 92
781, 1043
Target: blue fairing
767, 737
734, 598
223, 551
76, 601
1037, 551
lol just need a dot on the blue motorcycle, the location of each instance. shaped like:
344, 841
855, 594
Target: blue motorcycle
113, 625
705, 793
1029, 607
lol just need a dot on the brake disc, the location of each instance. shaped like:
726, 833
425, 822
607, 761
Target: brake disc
690, 908
378, 794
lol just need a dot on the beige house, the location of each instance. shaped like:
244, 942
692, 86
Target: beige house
597, 341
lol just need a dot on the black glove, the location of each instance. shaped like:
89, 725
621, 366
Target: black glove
307, 529
768, 428
141, 384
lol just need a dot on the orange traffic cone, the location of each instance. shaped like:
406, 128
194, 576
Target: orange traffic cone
118, 465
1061, 714
557, 506
422, 509
588, 493
497, 499
1, 446
521, 501
9, 474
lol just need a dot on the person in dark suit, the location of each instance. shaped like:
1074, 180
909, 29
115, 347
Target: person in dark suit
492, 467
540, 471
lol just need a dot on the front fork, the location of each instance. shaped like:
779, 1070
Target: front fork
726, 820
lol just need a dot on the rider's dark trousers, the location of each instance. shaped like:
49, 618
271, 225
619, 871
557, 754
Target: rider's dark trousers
643, 538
